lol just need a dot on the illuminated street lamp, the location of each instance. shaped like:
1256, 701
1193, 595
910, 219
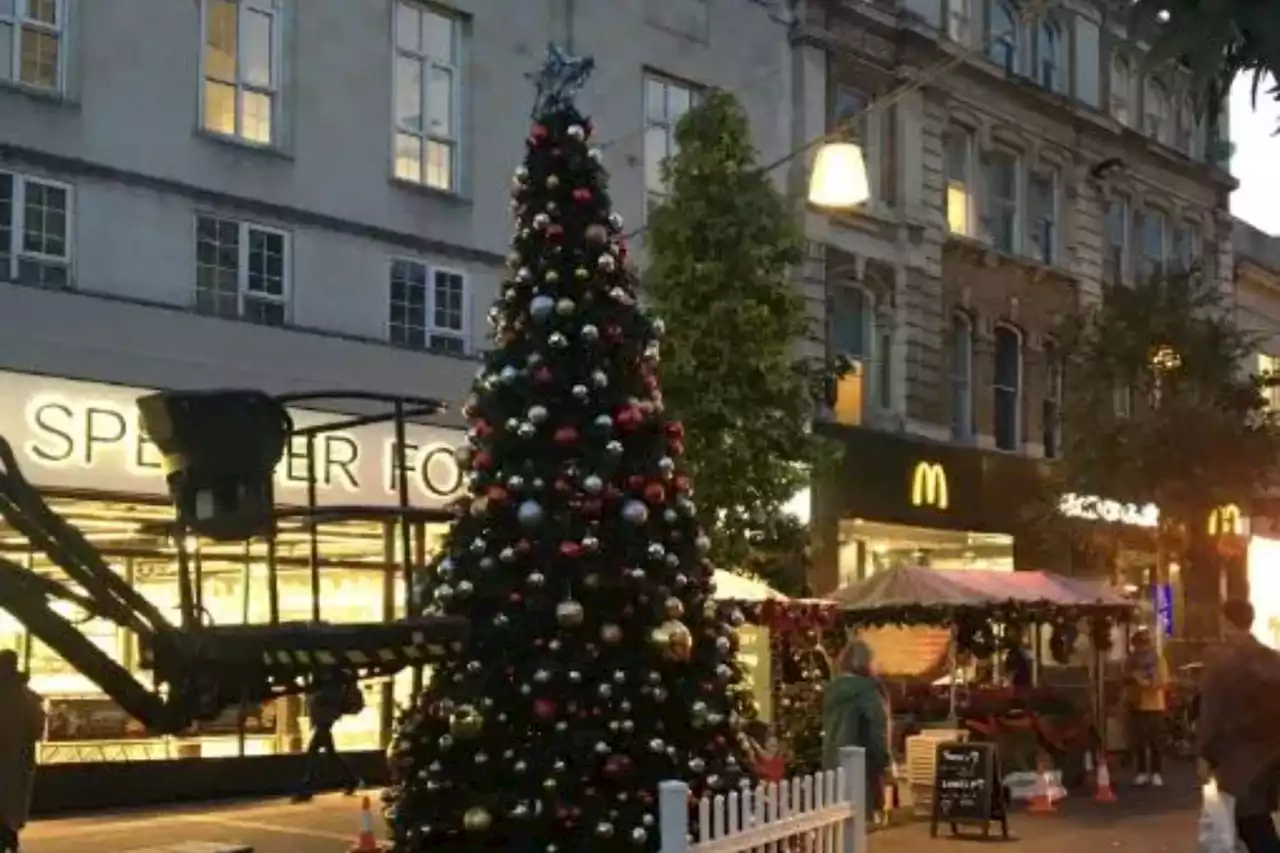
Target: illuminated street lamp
839, 178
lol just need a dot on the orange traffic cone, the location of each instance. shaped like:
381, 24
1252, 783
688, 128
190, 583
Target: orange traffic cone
1042, 799
1102, 791
365, 841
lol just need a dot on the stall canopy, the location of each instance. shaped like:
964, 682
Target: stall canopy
731, 587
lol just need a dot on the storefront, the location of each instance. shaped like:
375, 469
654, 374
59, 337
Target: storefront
81, 445
896, 500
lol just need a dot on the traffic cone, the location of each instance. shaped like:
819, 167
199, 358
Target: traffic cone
365, 841
1042, 800
1102, 791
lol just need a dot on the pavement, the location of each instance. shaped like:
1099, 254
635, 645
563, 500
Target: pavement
1143, 821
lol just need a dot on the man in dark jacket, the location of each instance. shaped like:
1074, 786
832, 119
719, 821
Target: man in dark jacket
855, 712
326, 705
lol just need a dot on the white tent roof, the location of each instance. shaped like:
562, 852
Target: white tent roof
731, 587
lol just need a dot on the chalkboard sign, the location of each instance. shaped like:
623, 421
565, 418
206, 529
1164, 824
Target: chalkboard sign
968, 788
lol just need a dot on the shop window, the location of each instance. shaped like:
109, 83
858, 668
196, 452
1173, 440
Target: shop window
242, 271
1007, 388
35, 224
1052, 409
961, 376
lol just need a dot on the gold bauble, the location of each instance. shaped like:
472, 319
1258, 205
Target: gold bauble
673, 640
674, 607
610, 633
466, 723
569, 613
476, 819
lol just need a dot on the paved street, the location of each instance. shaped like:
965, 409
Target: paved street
1143, 822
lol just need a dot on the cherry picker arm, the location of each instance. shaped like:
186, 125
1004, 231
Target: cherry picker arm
199, 671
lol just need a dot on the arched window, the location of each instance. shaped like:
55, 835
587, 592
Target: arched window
1155, 111
1050, 64
1002, 37
1052, 409
961, 376
1121, 89
1007, 388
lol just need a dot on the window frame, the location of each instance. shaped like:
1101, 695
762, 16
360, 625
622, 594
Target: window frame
1057, 78
20, 20
17, 227
997, 389
1142, 257
1191, 244
667, 124
998, 39
1121, 273
429, 329
960, 21
427, 62
1055, 380
962, 396
245, 227
967, 140
271, 8
870, 135
1017, 203
1049, 253
1156, 94
1121, 106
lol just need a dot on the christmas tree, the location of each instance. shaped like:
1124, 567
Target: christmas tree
598, 665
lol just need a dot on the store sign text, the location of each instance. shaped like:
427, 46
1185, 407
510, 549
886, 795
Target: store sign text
106, 438
1226, 521
929, 486
1093, 508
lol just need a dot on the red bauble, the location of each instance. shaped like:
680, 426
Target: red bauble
682, 483
566, 435
523, 546
650, 383
497, 494
482, 429
628, 418
544, 709
592, 507
482, 461
613, 333
542, 375
617, 766
515, 598
537, 132
675, 430
563, 486
676, 448
654, 493
555, 231
635, 482
570, 549
582, 195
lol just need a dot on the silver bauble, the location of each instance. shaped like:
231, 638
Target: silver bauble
590, 332
564, 307
540, 307
608, 262
592, 484
538, 414
577, 132
530, 514
557, 340
635, 513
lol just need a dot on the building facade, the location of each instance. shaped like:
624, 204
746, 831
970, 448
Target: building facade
295, 197
1018, 160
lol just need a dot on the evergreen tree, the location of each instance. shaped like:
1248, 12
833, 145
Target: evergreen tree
722, 250
598, 664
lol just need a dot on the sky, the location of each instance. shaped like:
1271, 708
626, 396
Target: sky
1255, 157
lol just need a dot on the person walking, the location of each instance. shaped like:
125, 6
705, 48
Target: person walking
326, 705
1148, 681
855, 713
1236, 734
21, 728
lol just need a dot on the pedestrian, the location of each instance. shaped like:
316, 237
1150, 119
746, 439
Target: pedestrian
855, 713
327, 704
21, 727
1148, 681
1236, 735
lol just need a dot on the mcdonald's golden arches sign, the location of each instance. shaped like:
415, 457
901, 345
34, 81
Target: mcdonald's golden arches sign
929, 486
1226, 521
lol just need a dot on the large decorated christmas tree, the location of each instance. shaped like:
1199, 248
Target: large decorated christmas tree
599, 665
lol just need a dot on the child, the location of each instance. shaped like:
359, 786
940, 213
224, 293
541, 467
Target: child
768, 755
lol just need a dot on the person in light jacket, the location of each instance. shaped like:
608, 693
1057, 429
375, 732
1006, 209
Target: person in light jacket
21, 727
1147, 675
855, 713
1237, 737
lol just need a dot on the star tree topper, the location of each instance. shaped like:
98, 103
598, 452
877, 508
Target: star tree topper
559, 80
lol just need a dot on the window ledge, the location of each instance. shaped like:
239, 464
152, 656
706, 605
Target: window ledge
429, 191
56, 97
238, 144
994, 257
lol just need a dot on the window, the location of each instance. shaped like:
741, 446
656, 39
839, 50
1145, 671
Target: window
665, 103
958, 21
1007, 387
426, 97
958, 153
431, 317
1042, 191
874, 132
31, 42
1121, 90
242, 271
1269, 371
1122, 401
1116, 241
239, 64
1052, 415
852, 315
1183, 248
1002, 37
1188, 129
1050, 60
883, 366
961, 376
1000, 200
1155, 111
34, 226
1151, 235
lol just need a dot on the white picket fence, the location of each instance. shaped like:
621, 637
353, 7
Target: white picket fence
822, 813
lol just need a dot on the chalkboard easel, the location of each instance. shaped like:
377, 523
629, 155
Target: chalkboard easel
968, 789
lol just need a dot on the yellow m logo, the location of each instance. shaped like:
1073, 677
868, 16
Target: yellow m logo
1225, 521
929, 486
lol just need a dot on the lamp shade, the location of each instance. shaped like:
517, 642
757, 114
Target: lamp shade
839, 177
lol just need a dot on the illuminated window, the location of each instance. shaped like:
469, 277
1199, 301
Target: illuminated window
1003, 35
239, 63
35, 223
1042, 204
665, 103
1007, 388
1269, 369
961, 376
242, 271
1052, 412
1000, 200
958, 154
1121, 90
426, 96
31, 42
428, 307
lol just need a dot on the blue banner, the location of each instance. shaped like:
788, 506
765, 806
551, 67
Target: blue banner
1162, 599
